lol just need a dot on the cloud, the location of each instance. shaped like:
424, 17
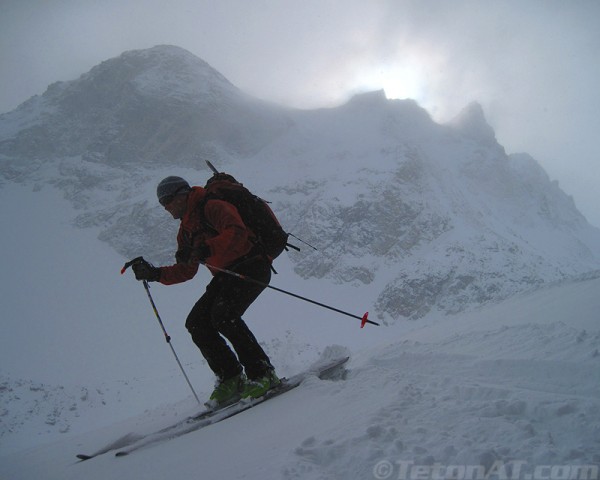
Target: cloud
532, 65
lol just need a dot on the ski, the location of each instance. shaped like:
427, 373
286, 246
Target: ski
211, 417
122, 442
132, 442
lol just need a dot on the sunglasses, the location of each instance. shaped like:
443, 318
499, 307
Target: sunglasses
164, 201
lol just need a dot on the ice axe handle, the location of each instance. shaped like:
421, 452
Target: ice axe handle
211, 166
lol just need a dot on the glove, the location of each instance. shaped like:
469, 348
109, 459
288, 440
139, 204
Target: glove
146, 271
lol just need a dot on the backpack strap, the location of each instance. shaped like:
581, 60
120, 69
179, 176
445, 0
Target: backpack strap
257, 249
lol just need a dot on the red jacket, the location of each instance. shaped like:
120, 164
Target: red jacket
220, 228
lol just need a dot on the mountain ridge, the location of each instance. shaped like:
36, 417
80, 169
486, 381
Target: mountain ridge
422, 216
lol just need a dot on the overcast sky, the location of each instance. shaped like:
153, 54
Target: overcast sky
533, 65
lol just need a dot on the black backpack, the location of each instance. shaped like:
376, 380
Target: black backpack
256, 214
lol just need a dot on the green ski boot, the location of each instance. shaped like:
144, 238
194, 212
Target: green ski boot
258, 387
227, 391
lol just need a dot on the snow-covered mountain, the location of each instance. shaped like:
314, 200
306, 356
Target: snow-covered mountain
412, 219
145, 107
419, 215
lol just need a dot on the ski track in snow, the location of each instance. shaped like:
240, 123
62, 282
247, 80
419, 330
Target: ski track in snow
454, 409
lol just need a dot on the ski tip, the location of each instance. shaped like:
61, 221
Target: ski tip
121, 454
83, 457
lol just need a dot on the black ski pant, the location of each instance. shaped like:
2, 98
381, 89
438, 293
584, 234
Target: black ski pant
218, 316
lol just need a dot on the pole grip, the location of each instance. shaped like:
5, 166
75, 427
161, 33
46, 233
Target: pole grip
130, 263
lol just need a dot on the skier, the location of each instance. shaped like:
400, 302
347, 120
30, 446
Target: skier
211, 231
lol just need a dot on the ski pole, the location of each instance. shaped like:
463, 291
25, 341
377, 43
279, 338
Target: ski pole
363, 320
162, 326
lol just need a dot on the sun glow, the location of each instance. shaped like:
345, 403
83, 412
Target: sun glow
411, 71
398, 81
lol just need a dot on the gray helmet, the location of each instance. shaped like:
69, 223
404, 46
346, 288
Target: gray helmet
171, 186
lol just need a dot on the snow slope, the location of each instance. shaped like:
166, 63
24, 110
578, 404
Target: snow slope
514, 388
